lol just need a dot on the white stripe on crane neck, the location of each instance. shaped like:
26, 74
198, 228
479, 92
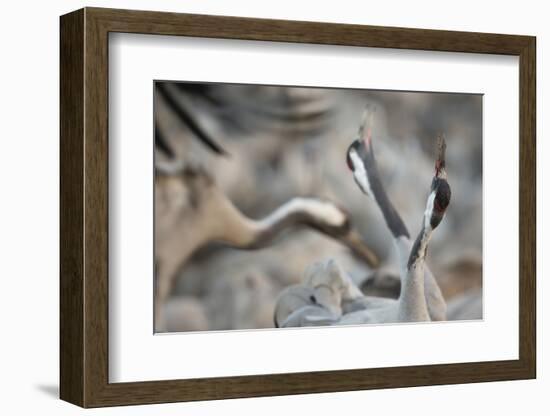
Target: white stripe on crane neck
359, 172
429, 211
323, 211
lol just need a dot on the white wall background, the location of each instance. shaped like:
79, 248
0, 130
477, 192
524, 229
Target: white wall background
29, 86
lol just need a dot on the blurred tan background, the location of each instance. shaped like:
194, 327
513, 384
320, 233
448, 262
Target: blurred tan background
263, 145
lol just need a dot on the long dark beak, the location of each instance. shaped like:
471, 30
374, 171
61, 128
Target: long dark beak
440, 157
353, 240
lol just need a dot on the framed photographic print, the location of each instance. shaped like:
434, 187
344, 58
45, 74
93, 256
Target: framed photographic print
256, 207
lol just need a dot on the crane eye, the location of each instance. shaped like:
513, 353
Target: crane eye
313, 299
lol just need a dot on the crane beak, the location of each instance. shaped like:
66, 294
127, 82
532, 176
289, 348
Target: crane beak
353, 240
441, 147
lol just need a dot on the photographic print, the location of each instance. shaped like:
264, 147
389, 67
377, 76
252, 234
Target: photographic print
326, 181
285, 206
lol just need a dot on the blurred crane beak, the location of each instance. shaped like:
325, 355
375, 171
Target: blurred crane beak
353, 240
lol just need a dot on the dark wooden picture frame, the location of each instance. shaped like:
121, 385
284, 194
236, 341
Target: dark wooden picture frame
84, 207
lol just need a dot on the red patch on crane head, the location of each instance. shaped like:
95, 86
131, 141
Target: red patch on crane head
367, 139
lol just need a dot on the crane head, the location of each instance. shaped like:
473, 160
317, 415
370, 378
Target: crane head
440, 195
